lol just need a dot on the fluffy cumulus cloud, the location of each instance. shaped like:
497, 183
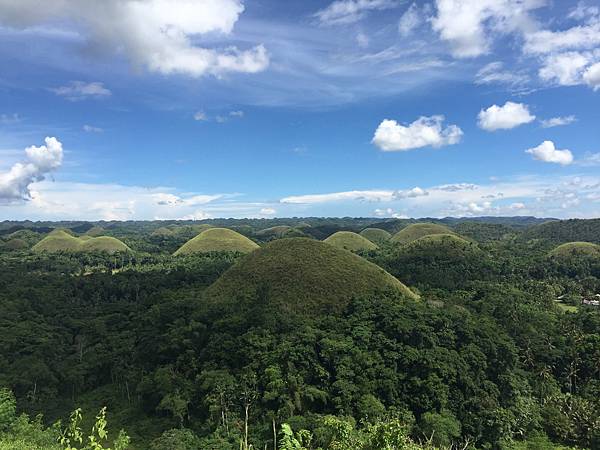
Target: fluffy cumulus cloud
342, 12
505, 117
592, 76
558, 121
578, 37
160, 35
468, 25
547, 152
40, 161
391, 136
565, 69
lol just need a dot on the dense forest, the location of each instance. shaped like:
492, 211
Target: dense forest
479, 339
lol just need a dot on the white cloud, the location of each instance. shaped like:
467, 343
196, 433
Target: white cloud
589, 160
342, 12
411, 193
566, 69
15, 184
517, 206
9, 119
268, 211
200, 116
576, 38
558, 121
426, 131
592, 76
456, 187
469, 25
92, 129
362, 40
410, 20
79, 90
238, 114
495, 73
168, 199
505, 117
582, 11
547, 152
369, 196
160, 35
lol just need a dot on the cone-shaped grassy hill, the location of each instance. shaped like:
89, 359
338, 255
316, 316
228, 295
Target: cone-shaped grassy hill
95, 231
571, 249
15, 244
61, 241
104, 244
350, 241
376, 235
302, 275
418, 230
442, 245
58, 241
442, 260
276, 231
217, 240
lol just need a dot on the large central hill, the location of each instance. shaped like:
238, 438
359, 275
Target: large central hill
217, 240
302, 275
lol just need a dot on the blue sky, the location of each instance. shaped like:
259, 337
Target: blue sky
180, 109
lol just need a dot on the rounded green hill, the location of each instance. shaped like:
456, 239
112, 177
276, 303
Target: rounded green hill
104, 244
58, 241
350, 241
15, 244
276, 231
418, 230
571, 249
95, 231
217, 240
441, 244
302, 275
61, 241
376, 235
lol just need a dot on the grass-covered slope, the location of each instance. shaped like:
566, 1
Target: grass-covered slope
58, 241
61, 241
442, 260
95, 231
15, 244
418, 230
350, 241
571, 249
376, 235
217, 240
276, 231
103, 244
302, 275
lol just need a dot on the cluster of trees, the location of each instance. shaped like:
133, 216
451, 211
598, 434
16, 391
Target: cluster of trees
485, 360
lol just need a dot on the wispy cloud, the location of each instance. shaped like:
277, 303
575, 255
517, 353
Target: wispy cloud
558, 121
79, 90
343, 12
